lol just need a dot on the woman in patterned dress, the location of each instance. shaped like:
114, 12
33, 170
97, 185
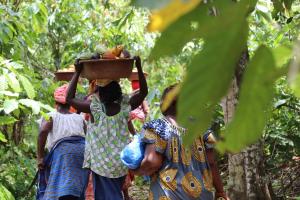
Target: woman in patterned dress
107, 134
178, 172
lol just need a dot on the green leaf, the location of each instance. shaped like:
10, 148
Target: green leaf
36, 23
27, 86
34, 105
43, 10
210, 72
45, 116
9, 93
295, 85
174, 38
4, 120
5, 194
282, 55
255, 102
10, 105
2, 137
13, 82
278, 7
3, 83
47, 107
166, 45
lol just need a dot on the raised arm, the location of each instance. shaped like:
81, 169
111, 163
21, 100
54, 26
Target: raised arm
79, 105
137, 99
46, 127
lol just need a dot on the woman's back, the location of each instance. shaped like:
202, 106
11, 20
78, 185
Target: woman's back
65, 125
108, 135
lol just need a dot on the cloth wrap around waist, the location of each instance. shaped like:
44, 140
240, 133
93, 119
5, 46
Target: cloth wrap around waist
63, 173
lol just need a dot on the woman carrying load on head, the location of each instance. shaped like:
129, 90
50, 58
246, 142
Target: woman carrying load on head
107, 133
178, 171
64, 136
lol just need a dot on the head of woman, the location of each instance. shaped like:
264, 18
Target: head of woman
61, 106
110, 93
171, 109
60, 98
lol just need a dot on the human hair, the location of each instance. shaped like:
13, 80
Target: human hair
64, 106
172, 107
110, 93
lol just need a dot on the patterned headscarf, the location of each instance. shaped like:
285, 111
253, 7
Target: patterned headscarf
60, 94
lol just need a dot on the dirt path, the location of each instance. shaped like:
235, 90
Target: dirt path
139, 191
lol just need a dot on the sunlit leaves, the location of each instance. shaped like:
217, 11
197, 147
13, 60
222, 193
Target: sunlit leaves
2, 137
254, 105
27, 86
39, 15
47, 107
10, 105
4, 120
13, 82
3, 83
34, 105
5, 194
281, 6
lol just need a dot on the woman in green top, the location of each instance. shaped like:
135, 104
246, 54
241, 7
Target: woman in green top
107, 134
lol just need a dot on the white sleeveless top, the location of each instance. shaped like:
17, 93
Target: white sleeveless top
64, 125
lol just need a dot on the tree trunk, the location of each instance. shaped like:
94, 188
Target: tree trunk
17, 133
246, 169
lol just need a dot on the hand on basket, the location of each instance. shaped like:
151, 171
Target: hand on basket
78, 66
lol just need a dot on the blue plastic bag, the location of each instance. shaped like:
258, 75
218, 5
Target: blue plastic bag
133, 154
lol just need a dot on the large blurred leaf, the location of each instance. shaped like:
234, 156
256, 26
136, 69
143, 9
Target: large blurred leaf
6, 120
166, 12
210, 73
255, 102
282, 55
10, 105
34, 105
27, 86
180, 32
